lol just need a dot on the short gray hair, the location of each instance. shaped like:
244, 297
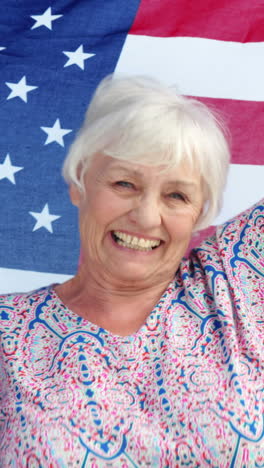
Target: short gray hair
141, 120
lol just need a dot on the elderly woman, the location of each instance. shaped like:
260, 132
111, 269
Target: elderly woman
144, 358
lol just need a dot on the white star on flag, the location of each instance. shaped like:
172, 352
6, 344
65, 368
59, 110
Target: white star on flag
45, 19
7, 171
20, 89
2, 48
44, 219
77, 58
55, 133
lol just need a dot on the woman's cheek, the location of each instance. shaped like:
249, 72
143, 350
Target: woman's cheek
182, 227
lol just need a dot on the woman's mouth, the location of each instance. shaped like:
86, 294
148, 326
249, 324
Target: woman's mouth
134, 242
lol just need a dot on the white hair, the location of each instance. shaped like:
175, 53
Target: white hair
141, 120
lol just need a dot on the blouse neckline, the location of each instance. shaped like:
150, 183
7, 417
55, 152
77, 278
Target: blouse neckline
158, 308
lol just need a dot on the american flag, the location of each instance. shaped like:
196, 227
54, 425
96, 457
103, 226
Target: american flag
53, 55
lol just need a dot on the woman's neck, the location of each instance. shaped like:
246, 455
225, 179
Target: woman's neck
118, 310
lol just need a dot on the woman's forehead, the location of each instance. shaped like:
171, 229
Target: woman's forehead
106, 165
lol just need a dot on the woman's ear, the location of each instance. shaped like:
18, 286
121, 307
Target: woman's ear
75, 194
75, 191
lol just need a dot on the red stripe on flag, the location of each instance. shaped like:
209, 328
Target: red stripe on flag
245, 121
226, 20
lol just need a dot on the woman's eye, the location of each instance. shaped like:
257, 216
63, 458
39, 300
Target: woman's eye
177, 196
124, 183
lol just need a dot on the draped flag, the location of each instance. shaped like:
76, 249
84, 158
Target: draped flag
53, 55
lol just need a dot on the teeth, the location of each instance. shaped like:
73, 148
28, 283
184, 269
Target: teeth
134, 242
134, 247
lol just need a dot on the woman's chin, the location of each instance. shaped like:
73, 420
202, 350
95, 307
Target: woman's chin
131, 273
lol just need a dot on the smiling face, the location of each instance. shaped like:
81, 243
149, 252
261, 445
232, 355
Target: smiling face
136, 221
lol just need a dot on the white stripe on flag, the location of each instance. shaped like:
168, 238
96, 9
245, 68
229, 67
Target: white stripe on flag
244, 188
197, 66
19, 280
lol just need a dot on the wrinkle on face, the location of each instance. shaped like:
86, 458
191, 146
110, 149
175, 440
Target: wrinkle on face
146, 210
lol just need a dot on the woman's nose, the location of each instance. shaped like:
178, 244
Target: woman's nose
146, 213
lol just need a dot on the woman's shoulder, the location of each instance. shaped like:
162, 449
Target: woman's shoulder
236, 245
231, 259
225, 272
14, 307
22, 297
241, 235
242, 225
241, 238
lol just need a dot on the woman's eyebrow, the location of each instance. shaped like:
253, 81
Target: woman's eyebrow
126, 170
184, 183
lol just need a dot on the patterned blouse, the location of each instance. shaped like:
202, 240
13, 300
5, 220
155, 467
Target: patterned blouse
185, 390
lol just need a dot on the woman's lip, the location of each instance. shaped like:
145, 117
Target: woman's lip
139, 235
